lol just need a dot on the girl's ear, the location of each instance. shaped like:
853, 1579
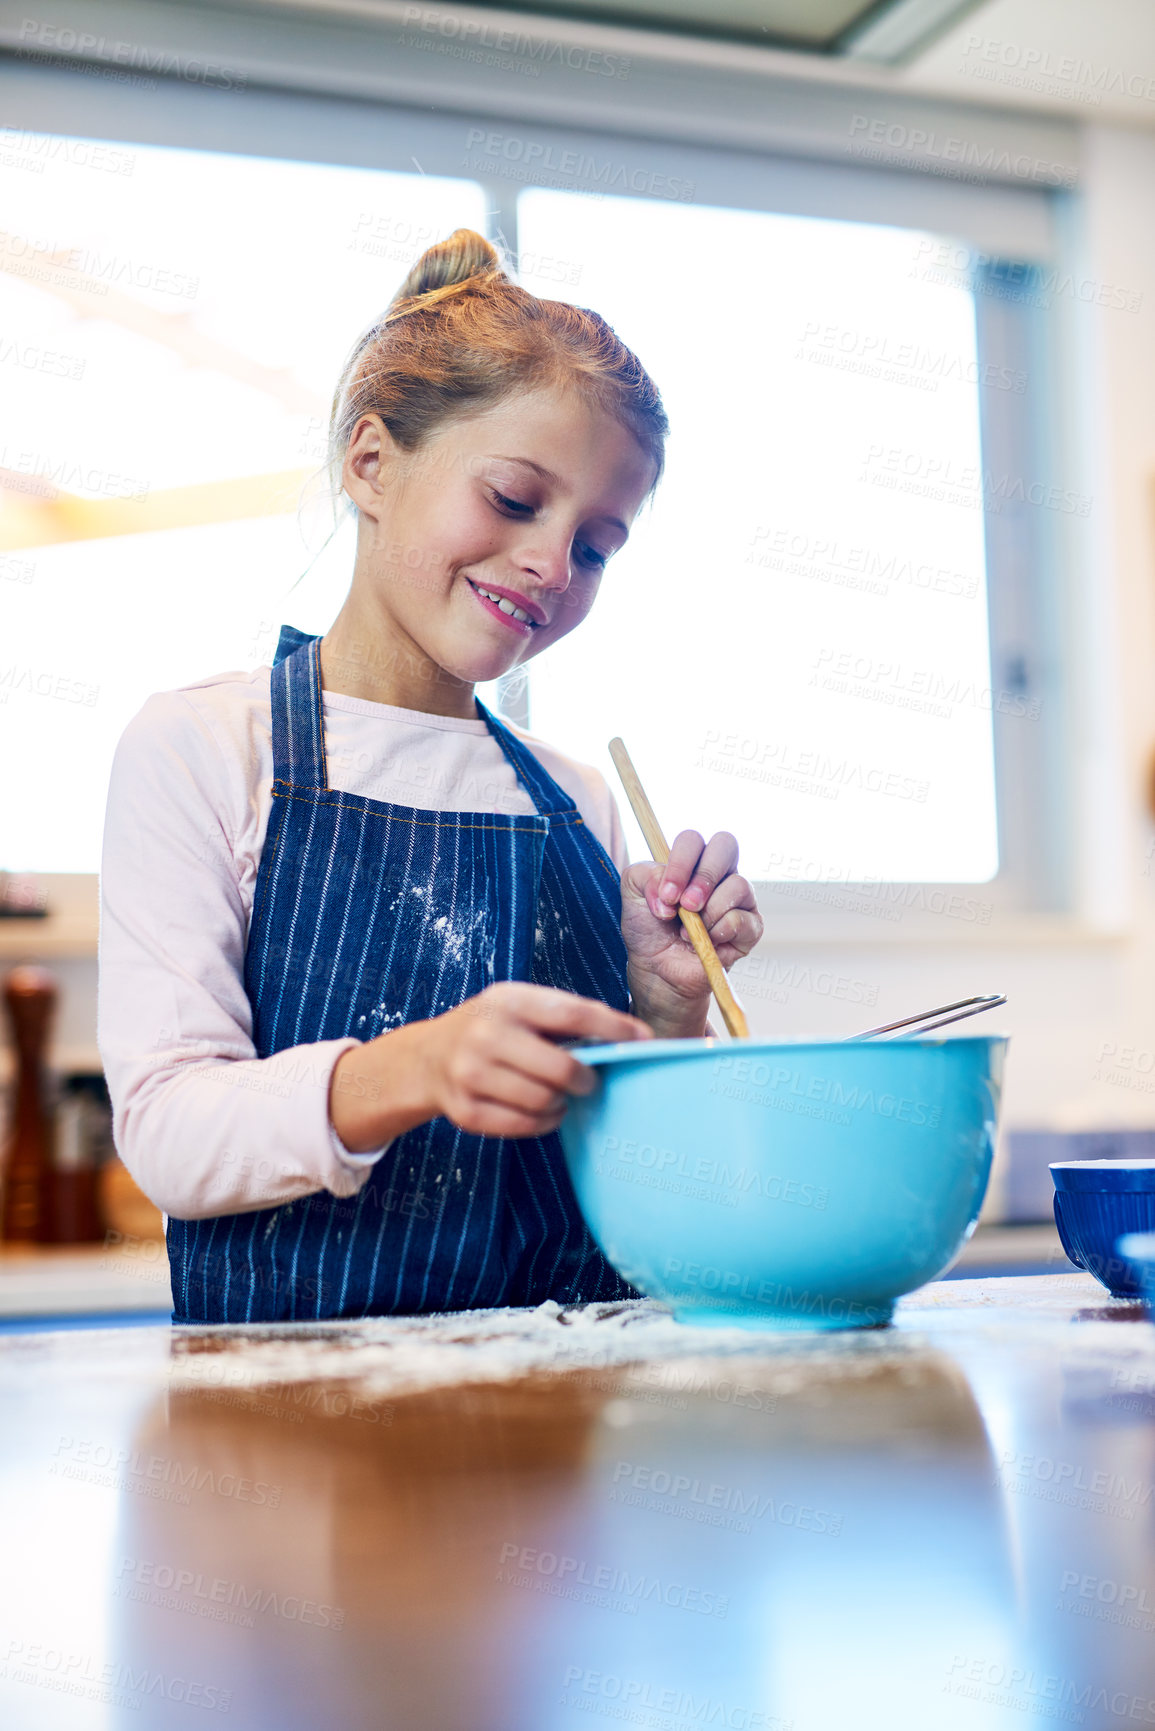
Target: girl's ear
368, 455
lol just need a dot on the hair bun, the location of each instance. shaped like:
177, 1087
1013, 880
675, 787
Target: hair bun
461, 335
447, 264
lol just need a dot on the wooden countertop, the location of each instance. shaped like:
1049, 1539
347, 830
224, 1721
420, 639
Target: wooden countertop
533, 1521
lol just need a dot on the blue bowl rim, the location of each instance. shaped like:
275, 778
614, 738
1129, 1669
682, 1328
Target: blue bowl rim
1104, 1177
622, 1051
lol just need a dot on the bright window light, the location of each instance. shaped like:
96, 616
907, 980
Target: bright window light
794, 644
172, 326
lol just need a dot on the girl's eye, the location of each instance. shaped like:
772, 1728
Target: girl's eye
588, 555
512, 504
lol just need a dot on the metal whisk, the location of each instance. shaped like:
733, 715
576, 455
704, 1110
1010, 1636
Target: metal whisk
944, 1014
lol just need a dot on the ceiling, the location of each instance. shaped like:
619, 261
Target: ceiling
817, 23
1092, 60
1086, 59
886, 28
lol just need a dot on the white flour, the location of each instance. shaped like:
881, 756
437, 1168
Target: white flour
1028, 1319
387, 1356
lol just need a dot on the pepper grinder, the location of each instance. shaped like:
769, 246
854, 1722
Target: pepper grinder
27, 1171
76, 1215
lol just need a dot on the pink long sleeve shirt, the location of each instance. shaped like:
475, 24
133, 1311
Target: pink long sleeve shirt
204, 1125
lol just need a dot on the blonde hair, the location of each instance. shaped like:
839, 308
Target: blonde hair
459, 335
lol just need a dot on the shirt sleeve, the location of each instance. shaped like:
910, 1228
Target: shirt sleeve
617, 842
204, 1125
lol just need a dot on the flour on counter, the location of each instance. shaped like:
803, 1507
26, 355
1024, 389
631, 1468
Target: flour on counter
638, 1342
390, 1356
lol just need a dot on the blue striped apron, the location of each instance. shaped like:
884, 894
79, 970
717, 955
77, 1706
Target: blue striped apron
366, 916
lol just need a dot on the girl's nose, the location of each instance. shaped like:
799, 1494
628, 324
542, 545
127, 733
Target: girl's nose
551, 565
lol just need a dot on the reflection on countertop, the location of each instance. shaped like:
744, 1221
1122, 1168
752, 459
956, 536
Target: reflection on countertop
517, 1520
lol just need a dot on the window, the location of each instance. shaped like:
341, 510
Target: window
795, 644
840, 632
173, 324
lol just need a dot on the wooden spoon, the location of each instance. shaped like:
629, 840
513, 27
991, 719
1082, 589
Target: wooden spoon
732, 1013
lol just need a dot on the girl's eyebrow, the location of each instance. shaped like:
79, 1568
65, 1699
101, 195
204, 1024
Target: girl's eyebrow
555, 480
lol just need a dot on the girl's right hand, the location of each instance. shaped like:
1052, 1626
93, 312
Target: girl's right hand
492, 1066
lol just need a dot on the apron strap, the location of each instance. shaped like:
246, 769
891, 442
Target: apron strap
298, 712
550, 799
289, 640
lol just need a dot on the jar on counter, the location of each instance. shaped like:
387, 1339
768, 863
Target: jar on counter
82, 1144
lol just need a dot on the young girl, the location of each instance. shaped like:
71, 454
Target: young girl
348, 914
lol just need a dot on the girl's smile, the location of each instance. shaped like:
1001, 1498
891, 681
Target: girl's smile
514, 610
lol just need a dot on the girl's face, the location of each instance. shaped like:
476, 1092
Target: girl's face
519, 507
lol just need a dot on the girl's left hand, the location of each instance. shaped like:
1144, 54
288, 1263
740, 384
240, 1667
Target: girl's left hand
667, 982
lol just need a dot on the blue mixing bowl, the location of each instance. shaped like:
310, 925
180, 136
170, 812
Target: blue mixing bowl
1096, 1202
785, 1185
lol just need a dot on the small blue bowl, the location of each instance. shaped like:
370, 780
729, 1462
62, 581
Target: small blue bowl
1096, 1202
1139, 1250
784, 1184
